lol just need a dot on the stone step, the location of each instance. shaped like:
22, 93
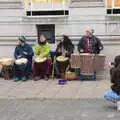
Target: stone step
11, 4
32, 40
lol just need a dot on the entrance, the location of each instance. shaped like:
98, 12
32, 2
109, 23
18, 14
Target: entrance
48, 30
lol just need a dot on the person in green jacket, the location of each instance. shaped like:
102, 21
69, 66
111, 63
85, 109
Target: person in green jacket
42, 49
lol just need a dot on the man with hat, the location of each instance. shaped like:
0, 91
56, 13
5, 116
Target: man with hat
23, 50
89, 43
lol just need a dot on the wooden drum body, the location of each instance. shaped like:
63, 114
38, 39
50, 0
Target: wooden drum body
89, 64
7, 67
41, 62
99, 62
62, 63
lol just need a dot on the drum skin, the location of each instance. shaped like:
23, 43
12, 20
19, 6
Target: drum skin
41, 64
7, 67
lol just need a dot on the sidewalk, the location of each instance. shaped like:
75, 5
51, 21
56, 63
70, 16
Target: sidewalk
51, 90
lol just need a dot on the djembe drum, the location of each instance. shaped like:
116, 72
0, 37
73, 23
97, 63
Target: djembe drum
87, 66
99, 62
7, 67
22, 62
40, 63
75, 60
62, 63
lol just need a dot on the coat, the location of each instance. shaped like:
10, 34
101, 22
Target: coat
43, 50
69, 49
115, 80
96, 45
25, 51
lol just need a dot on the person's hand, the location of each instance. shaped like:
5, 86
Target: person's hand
81, 51
111, 65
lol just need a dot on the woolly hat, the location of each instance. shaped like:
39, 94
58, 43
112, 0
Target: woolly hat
22, 38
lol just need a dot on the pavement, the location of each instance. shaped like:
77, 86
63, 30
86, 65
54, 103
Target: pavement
46, 100
51, 90
84, 109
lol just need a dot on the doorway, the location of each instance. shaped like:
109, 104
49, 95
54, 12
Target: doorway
48, 30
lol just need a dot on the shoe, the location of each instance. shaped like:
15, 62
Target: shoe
118, 106
17, 79
46, 78
24, 79
36, 78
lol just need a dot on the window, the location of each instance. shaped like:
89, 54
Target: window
46, 8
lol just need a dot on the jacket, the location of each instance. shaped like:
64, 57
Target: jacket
69, 49
24, 51
115, 80
43, 50
96, 45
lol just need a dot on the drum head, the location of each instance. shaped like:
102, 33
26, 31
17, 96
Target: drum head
62, 58
40, 59
21, 61
6, 61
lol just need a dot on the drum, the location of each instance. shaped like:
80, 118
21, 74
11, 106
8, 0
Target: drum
99, 62
75, 60
7, 67
87, 66
40, 59
21, 61
62, 63
40, 64
87, 63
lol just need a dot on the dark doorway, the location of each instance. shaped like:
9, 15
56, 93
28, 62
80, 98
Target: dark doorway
48, 30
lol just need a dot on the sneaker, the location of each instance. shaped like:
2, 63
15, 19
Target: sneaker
118, 105
46, 77
36, 78
24, 79
17, 79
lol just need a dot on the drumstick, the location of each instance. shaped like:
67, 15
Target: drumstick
53, 67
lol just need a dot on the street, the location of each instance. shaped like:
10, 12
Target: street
35, 109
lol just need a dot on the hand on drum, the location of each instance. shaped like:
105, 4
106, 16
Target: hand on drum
111, 65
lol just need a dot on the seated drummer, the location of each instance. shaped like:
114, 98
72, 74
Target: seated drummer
23, 50
42, 49
65, 47
89, 43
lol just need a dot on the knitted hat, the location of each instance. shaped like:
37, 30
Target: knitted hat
22, 38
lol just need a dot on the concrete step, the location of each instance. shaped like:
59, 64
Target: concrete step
11, 4
106, 40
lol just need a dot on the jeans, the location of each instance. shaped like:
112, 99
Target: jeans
112, 96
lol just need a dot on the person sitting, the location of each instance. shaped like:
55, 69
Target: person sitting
42, 50
114, 94
23, 50
64, 48
89, 43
